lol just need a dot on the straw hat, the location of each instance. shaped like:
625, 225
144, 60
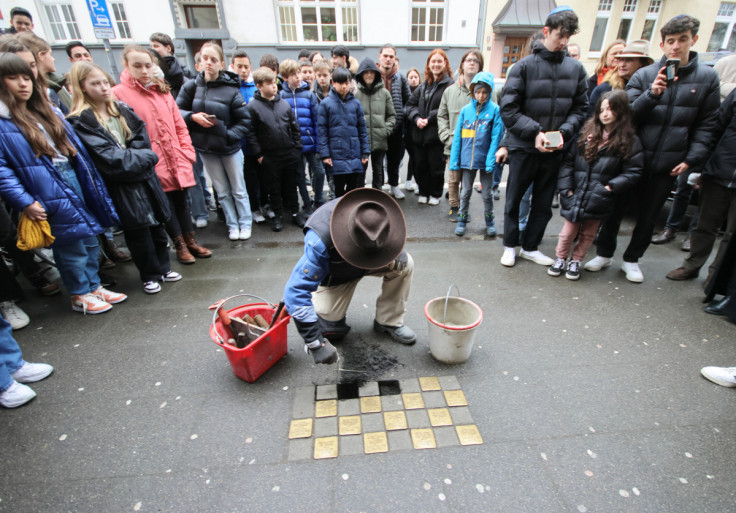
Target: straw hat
637, 49
368, 228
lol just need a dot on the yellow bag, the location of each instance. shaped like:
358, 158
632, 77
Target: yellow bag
33, 234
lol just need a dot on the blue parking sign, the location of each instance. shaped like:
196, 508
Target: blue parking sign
101, 22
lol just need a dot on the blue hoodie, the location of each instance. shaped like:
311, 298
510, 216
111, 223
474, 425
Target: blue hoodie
478, 131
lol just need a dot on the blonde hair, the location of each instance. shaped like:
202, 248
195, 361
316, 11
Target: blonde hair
604, 56
80, 101
613, 78
263, 75
217, 48
289, 67
162, 85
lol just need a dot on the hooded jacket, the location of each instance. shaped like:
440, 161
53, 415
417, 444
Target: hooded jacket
166, 129
454, 98
424, 103
478, 131
342, 133
304, 104
273, 127
128, 171
25, 179
378, 107
677, 126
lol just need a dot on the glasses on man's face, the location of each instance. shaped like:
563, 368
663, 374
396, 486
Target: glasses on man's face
471, 59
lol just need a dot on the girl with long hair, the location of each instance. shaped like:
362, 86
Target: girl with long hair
116, 139
607, 160
47, 174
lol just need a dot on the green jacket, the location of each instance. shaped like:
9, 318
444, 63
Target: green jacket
380, 115
454, 98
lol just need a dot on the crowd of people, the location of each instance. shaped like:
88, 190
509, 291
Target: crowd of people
85, 156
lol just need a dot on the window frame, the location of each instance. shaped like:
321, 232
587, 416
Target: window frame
605, 8
295, 26
117, 21
628, 13
729, 21
427, 25
653, 11
64, 23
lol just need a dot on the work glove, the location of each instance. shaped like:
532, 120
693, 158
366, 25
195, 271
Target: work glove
321, 350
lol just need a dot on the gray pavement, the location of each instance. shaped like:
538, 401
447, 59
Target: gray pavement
587, 394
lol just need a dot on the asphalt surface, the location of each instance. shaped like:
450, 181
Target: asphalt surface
587, 394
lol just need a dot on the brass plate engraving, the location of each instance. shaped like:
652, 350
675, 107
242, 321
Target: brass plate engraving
325, 447
301, 428
325, 408
394, 420
375, 442
423, 439
455, 398
370, 404
350, 425
429, 384
439, 417
469, 435
413, 401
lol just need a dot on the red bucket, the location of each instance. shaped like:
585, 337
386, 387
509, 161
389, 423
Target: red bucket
251, 361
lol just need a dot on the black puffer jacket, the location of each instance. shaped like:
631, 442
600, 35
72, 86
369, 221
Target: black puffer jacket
424, 103
273, 127
590, 199
722, 164
545, 91
129, 173
222, 98
677, 126
400, 96
174, 74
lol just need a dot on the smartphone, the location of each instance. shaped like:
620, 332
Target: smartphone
671, 67
554, 139
211, 118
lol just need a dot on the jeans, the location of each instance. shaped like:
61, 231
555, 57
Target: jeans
180, 220
148, 247
585, 231
226, 173
255, 184
198, 195
497, 174
77, 263
11, 358
680, 201
486, 181
280, 175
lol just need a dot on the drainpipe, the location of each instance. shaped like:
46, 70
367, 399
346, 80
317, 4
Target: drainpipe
481, 24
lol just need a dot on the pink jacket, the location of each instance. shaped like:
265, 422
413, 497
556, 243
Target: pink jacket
166, 129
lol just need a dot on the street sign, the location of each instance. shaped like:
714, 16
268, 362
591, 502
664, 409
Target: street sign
101, 22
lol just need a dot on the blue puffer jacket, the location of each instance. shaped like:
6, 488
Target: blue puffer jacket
25, 179
305, 105
342, 134
247, 90
478, 131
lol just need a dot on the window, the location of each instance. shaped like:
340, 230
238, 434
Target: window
121, 20
320, 21
601, 25
427, 20
724, 32
627, 18
655, 6
62, 22
201, 16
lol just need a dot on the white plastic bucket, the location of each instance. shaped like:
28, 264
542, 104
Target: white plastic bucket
452, 322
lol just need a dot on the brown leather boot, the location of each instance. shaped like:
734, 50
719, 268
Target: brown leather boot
195, 248
182, 252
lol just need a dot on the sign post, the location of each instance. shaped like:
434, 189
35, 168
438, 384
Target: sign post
102, 26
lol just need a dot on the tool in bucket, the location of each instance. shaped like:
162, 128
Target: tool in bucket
451, 340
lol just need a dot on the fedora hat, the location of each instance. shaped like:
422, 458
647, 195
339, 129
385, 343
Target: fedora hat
637, 49
368, 228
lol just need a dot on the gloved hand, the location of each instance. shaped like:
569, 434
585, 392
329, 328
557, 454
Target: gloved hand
400, 263
322, 351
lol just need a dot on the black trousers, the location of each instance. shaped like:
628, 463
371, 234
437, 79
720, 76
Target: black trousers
254, 182
526, 169
181, 216
394, 154
280, 175
430, 169
346, 182
147, 246
649, 196
377, 157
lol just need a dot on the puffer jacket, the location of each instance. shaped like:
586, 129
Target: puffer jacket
400, 93
174, 74
342, 133
453, 100
544, 92
478, 132
378, 107
425, 103
722, 164
677, 126
590, 199
304, 104
128, 171
166, 129
273, 127
222, 98
248, 89
25, 179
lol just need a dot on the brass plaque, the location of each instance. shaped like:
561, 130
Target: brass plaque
394, 420
429, 384
325, 447
423, 439
413, 401
455, 398
325, 408
370, 404
350, 425
375, 442
439, 417
301, 428
469, 435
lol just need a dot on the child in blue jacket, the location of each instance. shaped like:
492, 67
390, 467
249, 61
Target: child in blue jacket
478, 131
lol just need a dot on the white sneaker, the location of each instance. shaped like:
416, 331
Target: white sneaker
151, 287
537, 257
16, 395
724, 376
409, 186
32, 372
422, 200
16, 317
245, 233
89, 304
509, 257
234, 234
597, 263
201, 223
396, 193
633, 272
258, 217
171, 276
433, 201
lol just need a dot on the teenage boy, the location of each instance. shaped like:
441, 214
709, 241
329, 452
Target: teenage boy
276, 142
323, 75
340, 57
76, 51
544, 92
675, 121
174, 73
20, 21
307, 71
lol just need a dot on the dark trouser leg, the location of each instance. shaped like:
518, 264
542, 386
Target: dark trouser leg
421, 169
289, 182
340, 183
436, 155
521, 175
394, 154
545, 183
608, 233
9, 288
301, 180
412, 164
145, 245
377, 168
252, 181
272, 180
716, 204
653, 192
181, 218
680, 201
196, 194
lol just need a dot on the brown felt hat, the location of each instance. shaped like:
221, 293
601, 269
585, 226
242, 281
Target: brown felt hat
368, 228
639, 48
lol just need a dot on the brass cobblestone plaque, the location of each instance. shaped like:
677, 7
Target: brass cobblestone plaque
371, 404
375, 442
350, 425
301, 428
423, 439
325, 408
469, 435
439, 417
455, 398
394, 420
429, 384
325, 447
413, 401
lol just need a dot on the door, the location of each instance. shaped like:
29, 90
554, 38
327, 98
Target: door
513, 50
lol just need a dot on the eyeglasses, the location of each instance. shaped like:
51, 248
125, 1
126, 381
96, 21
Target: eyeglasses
471, 59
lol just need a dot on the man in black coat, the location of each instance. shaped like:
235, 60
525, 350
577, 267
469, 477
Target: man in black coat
544, 92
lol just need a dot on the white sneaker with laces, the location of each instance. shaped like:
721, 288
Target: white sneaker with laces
597, 263
422, 200
201, 223
245, 233
537, 257
509, 256
32, 372
258, 217
89, 304
233, 234
16, 317
16, 395
433, 201
171, 276
151, 287
396, 193
109, 296
409, 186
633, 272
724, 376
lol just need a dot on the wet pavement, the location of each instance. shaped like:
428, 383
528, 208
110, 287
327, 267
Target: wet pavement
587, 395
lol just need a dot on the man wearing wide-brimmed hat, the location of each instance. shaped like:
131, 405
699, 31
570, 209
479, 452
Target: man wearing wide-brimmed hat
633, 57
362, 233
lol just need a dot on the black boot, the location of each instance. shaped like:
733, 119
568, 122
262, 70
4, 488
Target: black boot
278, 224
718, 307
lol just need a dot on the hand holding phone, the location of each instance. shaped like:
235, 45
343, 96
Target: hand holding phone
554, 140
671, 66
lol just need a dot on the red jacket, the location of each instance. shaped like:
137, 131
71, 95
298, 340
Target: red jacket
166, 129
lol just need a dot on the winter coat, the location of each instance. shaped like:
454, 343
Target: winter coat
25, 179
273, 127
400, 93
129, 171
590, 199
174, 74
453, 100
248, 89
166, 129
544, 91
478, 132
678, 125
222, 98
342, 133
378, 107
424, 103
722, 163
317, 90
304, 104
